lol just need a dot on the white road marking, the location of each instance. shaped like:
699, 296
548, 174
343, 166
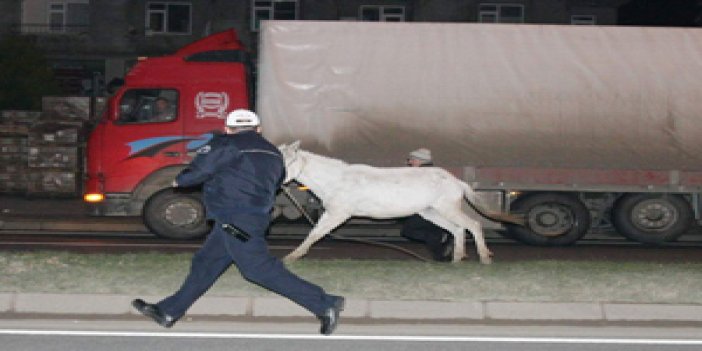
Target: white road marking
533, 340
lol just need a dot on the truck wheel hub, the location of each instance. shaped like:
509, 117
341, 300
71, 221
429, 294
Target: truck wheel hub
181, 214
654, 215
550, 220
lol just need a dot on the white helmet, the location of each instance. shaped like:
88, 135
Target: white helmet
242, 118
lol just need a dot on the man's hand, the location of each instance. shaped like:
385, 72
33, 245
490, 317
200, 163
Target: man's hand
174, 184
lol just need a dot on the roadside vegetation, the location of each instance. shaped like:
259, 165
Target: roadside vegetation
545, 281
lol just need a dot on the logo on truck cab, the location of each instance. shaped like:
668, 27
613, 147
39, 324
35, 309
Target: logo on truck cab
209, 104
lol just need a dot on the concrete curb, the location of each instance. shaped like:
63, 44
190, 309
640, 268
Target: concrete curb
57, 305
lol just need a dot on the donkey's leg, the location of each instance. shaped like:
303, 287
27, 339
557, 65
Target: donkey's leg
459, 244
456, 215
327, 222
459, 233
479, 237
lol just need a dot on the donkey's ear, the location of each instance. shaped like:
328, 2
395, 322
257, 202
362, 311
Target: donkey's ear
295, 145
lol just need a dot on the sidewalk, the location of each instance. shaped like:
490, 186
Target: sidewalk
118, 306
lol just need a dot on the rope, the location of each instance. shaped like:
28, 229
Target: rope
341, 237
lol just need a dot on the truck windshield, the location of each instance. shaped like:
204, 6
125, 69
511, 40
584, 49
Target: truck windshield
148, 106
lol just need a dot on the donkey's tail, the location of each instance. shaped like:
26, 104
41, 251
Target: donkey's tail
478, 205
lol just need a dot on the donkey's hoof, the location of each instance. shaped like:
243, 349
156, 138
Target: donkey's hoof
458, 259
290, 258
486, 260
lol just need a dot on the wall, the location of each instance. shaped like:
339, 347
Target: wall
117, 34
10, 12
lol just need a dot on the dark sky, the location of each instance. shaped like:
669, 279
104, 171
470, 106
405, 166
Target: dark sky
683, 13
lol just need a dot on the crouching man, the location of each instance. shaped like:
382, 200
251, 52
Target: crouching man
437, 239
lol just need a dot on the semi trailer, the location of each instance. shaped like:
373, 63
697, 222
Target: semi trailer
573, 127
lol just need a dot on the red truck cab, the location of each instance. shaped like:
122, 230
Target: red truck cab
167, 108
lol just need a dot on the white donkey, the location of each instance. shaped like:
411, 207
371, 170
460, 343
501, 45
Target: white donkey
363, 191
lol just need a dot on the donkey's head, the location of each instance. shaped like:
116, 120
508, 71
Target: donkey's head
293, 161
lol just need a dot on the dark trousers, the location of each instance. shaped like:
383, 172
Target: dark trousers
255, 263
437, 239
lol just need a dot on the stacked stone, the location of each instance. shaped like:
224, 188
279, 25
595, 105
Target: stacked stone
44, 153
14, 128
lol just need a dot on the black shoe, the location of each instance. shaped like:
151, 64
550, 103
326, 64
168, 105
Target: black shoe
330, 318
152, 311
444, 252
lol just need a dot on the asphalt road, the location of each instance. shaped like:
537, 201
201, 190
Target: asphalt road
212, 336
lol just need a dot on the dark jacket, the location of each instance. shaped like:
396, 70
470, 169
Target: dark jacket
241, 174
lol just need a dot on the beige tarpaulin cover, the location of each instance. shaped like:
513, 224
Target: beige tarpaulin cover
485, 95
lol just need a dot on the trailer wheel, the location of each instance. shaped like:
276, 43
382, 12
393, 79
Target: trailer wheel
652, 218
174, 214
552, 219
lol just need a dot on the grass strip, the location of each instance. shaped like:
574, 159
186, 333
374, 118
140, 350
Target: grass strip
160, 274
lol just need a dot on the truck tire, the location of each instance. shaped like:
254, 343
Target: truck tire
652, 218
552, 219
173, 214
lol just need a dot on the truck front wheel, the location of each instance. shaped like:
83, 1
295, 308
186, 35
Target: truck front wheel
174, 214
652, 218
552, 219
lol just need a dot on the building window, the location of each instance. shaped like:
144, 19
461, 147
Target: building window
68, 16
501, 13
583, 19
382, 13
273, 10
57, 16
168, 18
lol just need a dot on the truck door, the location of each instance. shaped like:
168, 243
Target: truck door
146, 135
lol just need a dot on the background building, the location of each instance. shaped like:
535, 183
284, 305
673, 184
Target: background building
89, 42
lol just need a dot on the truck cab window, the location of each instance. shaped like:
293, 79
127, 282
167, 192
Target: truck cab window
148, 106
